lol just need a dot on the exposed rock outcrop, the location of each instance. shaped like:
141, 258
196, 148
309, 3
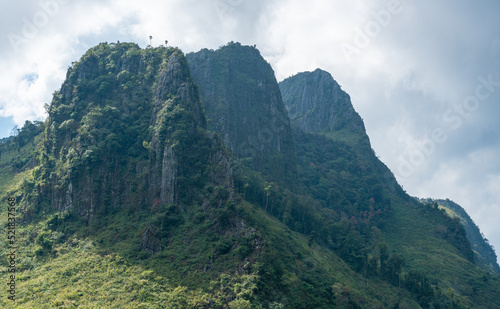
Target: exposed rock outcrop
243, 103
149, 241
317, 104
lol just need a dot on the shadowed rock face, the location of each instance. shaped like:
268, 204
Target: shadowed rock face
243, 103
317, 104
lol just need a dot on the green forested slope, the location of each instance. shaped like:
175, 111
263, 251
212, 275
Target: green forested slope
485, 255
341, 171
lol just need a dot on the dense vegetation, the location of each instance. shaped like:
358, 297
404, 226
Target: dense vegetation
130, 198
484, 253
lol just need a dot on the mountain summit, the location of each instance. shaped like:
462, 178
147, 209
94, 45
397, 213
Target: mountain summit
243, 103
317, 104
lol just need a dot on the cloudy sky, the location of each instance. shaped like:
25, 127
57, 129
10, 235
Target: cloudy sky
424, 75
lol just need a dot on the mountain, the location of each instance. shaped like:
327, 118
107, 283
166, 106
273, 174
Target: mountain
243, 103
198, 181
485, 254
340, 170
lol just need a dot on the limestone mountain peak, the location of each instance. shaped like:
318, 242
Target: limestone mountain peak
317, 103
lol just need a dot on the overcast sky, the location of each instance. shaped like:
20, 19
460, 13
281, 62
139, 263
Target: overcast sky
424, 75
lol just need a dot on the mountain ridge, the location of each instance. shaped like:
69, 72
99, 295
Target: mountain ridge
483, 250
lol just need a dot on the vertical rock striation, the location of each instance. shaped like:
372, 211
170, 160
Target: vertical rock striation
243, 103
317, 104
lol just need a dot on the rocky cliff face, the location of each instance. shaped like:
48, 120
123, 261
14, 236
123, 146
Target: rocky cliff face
243, 103
123, 111
317, 104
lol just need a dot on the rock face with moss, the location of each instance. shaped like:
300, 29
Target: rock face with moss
317, 104
243, 103
126, 111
